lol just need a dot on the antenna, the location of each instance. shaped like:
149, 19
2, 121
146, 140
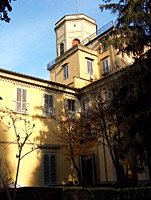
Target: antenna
77, 5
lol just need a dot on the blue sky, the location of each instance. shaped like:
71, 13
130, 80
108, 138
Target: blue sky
27, 43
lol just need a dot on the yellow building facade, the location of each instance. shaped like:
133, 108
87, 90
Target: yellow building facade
82, 64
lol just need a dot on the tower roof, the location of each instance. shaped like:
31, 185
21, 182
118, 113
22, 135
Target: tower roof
75, 17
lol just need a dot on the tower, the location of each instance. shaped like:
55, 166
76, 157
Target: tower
71, 30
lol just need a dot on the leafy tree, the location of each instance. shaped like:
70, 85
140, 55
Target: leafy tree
132, 32
133, 93
72, 135
5, 7
108, 128
120, 111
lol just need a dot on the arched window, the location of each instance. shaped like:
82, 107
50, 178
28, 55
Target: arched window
61, 49
75, 42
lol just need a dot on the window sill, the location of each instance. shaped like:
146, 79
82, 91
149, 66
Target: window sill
21, 112
106, 73
48, 116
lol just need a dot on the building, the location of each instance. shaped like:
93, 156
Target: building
82, 64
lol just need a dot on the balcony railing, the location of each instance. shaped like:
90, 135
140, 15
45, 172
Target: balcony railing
98, 32
20, 106
88, 39
51, 63
49, 111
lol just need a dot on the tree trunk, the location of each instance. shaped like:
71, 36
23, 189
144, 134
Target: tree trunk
17, 175
76, 168
5, 186
148, 150
120, 174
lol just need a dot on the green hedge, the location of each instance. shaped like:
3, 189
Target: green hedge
80, 193
107, 194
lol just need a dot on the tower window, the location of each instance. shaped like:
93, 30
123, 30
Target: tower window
66, 72
106, 66
61, 49
89, 67
75, 42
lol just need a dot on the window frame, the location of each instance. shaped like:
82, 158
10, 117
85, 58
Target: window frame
21, 103
75, 42
66, 72
43, 168
89, 66
49, 110
86, 107
103, 48
70, 105
106, 65
61, 48
84, 165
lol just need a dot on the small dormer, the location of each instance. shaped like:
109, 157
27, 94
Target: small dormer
72, 30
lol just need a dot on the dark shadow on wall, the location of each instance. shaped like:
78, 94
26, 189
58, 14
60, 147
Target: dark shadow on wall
47, 139
6, 167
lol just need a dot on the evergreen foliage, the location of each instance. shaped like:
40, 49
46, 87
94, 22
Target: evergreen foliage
132, 32
5, 7
132, 100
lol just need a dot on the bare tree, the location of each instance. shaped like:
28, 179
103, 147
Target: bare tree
23, 129
72, 135
108, 126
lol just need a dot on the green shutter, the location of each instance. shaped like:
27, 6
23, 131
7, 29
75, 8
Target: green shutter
53, 169
46, 170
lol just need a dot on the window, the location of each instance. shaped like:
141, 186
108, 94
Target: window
89, 67
70, 105
105, 66
88, 168
75, 42
85, 107
103, 48
61, 49
48, 105
109, 94
21, 104
66, 72
49, 169
87, 129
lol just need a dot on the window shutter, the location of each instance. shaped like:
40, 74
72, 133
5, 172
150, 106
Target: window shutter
91, 68
49, 169
64, 72
107, 65
66, 104
18, 103
46, 100
24, 100
88, 67
46, 104
53, 169
67, 71
46, 169
78, 106
103, 67
50, 101
73, 106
